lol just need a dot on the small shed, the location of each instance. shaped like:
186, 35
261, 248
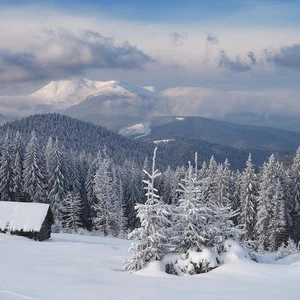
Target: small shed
32, 220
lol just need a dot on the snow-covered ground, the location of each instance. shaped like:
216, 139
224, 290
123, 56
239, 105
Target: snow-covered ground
89, 267
138, 130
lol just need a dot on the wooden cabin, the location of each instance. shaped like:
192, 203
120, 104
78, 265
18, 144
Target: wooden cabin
32, 220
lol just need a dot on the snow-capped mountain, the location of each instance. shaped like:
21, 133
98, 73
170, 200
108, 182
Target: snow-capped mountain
112, 104
65, 93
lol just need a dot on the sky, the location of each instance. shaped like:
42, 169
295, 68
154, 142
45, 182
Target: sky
232, 46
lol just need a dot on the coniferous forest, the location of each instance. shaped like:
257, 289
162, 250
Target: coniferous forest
187, 207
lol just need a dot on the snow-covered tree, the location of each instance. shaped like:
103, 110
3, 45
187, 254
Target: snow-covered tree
154, 220
278, 221
264, 200
33, 175
18, 156
209, 182
294, 206
105, 216
222, 226
191, 217
223, 185
71, 208
170, 185
132, 191
56, 181
249, 190
48, 154
6, 171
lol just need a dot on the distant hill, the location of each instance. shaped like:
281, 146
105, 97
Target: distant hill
244, 137
80, 136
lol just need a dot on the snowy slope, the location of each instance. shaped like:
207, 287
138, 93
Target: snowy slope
115, 104
80, 267
137, 130
65, 93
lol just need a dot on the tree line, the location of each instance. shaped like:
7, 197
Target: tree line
96, 193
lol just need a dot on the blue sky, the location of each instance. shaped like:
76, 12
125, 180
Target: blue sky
178, 11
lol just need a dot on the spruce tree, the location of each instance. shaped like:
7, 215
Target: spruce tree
6, 171
34, 175
105, 195
191, 218
264, 200
56, 181
18, 156
248, 208
154, 220
71, 208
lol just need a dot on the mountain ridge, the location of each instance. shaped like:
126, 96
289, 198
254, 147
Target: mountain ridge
219, 132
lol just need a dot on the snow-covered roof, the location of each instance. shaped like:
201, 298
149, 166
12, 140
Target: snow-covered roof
22, 216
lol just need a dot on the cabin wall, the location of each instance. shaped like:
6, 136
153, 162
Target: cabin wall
45, 231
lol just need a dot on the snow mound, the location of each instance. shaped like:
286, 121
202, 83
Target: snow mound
153, 269
293, 259
192, 262
234, 251
22, 216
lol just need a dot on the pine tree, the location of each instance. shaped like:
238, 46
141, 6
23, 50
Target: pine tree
48, 154
249, 190
132, 188
222, 226
209, 182
71, 208
295, 197
104, 214
169, 187
264, 199
18, 155
223, 185
277, 222
33, 175
153, 217
191, 217
6, 171
56, 181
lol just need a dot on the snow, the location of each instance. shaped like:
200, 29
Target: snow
179, 118
66, 93
89, 267
205, 256
18, 216
139, 130
234, 251
163, 141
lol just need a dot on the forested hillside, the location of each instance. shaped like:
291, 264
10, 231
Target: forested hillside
79, 136
99, 190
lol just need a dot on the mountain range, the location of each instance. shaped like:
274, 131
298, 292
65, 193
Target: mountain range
137, 112
214, 131
117, 104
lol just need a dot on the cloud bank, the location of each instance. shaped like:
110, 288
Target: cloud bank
60, 54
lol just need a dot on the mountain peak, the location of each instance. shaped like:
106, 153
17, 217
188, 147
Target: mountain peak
68, 92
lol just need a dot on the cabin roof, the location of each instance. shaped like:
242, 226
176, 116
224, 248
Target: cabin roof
22, 216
